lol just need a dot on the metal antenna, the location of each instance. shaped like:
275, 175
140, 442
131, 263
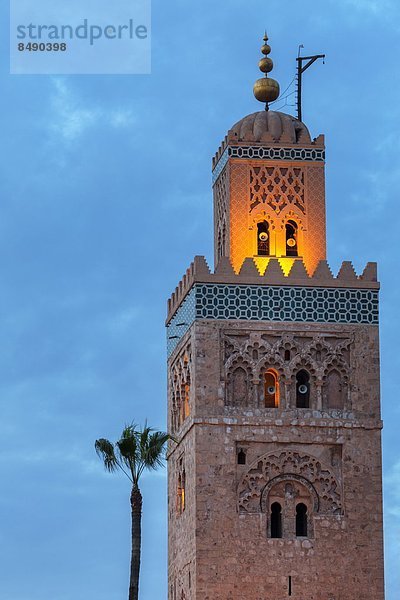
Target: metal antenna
300, 71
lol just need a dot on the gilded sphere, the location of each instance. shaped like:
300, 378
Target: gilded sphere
266, 49
266, 89
266, 65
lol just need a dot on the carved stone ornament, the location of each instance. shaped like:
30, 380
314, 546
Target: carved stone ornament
322, 483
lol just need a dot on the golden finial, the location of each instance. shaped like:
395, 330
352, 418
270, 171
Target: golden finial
266, 89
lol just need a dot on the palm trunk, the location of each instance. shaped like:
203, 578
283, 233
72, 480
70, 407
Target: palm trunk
136, 508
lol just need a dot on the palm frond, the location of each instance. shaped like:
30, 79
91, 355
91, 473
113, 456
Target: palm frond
136, 450
156, 448
128, 447
105, 450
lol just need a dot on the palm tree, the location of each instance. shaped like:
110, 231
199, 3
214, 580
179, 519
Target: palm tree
134, 452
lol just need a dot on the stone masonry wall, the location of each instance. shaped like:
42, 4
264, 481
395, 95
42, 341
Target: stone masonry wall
330, 458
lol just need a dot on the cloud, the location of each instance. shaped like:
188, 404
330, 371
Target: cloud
71, 117
376, 7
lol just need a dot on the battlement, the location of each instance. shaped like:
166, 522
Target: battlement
252, 273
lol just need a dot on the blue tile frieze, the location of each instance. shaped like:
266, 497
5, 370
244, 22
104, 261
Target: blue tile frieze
273, 303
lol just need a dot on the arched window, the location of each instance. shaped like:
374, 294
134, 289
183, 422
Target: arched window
302, 389
241, 457
291, 239
186, 411
181, 492
239, 387
276, 520
334, 397
271, 389
263, 239
301, 520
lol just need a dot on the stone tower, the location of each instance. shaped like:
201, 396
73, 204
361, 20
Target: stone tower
273, 376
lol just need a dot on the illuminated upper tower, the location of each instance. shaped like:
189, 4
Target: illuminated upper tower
273, 387
269, 187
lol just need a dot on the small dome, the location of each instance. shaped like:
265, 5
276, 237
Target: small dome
267, 126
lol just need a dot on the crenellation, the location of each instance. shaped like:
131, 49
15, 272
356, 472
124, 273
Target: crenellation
347, 272
199, 272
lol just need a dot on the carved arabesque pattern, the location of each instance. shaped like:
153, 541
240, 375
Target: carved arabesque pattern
317, 354
277, 187
180, 378
291, 463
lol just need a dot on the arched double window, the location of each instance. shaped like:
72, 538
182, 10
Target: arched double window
291, 239
290, 505
302, 389
263, 241
271, 389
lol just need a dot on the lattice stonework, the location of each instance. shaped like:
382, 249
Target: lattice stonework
315, 242
240, 239
221, 214
277, 187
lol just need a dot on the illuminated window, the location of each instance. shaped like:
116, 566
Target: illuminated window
291, 239
302, 389
276, 520
271, 389
181, 492
263, 239
186, 406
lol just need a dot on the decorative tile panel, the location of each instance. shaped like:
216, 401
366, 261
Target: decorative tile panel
273, 303
181, 321
220, 166
263, 152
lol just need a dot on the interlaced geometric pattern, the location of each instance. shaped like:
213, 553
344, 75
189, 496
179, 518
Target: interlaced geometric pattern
273, 303
277, 187
181, 321
314, 249
240, 238
268, 153
220, 166
220, 214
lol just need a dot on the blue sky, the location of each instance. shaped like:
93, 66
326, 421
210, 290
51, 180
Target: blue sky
105, 198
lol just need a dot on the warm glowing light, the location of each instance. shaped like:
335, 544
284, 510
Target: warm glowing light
261, 263
271, 389
286, 264
186, 406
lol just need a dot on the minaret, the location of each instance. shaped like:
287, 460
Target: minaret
273, 387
